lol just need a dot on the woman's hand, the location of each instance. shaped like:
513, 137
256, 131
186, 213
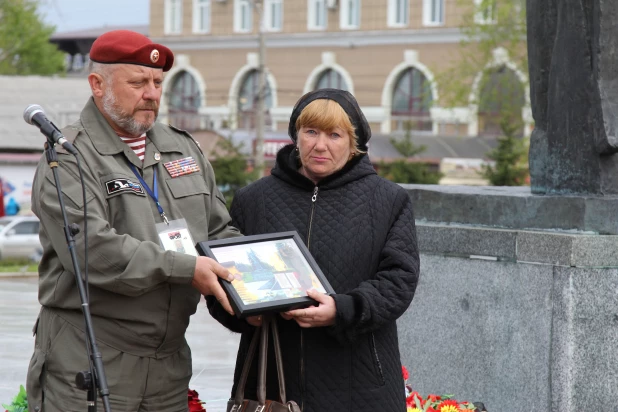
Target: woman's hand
314, 316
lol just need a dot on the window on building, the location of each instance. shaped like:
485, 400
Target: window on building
398, 13
501, 98
412, 101
331, 79
201, 16
316, 15
274, 14
350, 14
248, 101
243, 16
173, 17
433, 12
485, 11
184, 101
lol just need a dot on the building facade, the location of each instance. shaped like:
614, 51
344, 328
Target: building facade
388, 53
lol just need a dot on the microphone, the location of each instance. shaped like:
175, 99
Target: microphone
35, 116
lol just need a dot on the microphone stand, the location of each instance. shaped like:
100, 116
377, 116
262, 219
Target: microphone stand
95, 377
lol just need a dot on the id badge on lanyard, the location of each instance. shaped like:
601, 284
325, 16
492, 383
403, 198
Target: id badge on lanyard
173, 234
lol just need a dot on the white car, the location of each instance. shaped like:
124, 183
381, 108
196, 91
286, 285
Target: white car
19, 237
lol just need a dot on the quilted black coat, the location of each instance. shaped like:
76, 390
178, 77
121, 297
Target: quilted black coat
360, 229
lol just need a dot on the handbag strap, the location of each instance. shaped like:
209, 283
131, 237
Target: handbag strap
269, 322
261, 333
279, 361
261, 388
242, 383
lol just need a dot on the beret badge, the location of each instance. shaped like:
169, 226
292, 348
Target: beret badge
154, 55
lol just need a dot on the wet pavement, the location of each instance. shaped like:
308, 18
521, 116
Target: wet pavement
213, 347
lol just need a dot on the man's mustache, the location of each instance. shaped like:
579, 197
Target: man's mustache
148, 106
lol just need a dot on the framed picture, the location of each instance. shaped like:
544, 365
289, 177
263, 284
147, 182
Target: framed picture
272, 272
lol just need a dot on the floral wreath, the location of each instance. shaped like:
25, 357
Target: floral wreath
20, 402
435, 403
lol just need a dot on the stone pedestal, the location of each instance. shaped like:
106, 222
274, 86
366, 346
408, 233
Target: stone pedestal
517, 303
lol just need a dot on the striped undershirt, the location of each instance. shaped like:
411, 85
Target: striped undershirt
137, 144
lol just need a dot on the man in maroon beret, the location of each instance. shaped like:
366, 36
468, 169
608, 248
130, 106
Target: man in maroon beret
148, 189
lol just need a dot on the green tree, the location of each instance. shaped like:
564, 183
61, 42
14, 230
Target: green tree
24, 41
492, 31
231, 169
404, 170
486, 26
510, 157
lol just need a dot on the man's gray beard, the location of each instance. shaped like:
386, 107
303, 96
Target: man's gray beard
124, 120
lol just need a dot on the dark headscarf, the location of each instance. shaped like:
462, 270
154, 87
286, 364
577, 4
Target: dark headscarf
349, 105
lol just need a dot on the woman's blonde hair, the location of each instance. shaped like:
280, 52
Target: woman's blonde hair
326, 114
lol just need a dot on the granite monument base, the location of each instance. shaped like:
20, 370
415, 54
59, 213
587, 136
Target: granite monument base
522, 319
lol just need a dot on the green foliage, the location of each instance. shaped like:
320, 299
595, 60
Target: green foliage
510, 157
24, 41
20, 402
231, 170
486, 27
405, 171
490, 28
18, 265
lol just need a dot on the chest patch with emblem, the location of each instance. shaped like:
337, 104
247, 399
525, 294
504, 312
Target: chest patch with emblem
182, 166
123, 185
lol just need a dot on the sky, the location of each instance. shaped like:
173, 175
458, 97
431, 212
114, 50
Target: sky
69, 15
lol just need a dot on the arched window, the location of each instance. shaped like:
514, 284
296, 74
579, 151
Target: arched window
501, 99
248, 100
331, 79
412, 100
184, 102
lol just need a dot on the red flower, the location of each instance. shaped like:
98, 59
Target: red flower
410, 399
195, 405
405, 373
433, 398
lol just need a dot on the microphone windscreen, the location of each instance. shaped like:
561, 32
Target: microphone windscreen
30, 111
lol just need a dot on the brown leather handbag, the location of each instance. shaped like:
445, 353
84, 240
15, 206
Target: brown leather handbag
238, 404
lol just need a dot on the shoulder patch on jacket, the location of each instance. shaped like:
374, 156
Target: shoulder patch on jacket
174, 128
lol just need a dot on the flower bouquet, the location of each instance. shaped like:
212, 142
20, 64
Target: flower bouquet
20, 402
435, 403
195, 405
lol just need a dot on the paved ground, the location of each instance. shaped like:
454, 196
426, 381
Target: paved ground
213, 347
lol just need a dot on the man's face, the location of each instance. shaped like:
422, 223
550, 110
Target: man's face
132, 99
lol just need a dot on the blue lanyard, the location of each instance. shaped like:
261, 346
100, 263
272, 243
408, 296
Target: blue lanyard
154, 194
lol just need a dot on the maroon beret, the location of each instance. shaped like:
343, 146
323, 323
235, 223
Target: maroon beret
125, 46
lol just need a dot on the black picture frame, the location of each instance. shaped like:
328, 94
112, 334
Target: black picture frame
272, 289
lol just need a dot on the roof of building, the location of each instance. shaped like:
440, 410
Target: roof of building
94, 32
61, 98
80, 41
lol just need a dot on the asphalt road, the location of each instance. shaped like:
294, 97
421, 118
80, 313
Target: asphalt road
213, 347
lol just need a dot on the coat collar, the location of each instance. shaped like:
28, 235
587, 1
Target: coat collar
107, 142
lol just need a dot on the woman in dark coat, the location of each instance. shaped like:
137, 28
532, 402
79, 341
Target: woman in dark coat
342, 355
